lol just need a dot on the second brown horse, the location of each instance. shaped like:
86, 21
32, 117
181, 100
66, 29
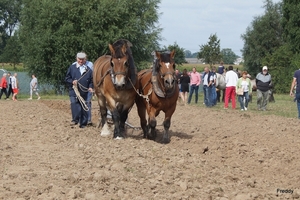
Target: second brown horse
159, 92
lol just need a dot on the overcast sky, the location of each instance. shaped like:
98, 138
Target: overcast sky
191, 22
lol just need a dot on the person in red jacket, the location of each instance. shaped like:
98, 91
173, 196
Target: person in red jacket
3, 86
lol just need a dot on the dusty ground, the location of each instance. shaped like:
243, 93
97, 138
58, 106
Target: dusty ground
241, 156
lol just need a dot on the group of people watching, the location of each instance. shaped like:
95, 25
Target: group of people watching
235, 86
9, 86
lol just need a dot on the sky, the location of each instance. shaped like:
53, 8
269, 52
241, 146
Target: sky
190, 23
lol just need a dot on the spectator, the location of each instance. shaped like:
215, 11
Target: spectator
178, 75
185, 81
3, 86
207, 87
79, 77
10, 91
34, 87
231, 79
195, 81
245, 84
296, 82
221, 68
263, 84
14, 86
213, 86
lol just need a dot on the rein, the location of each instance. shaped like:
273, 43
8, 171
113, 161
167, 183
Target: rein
102, 78
80, 99
146, 97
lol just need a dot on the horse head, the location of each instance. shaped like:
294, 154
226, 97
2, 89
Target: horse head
119, 63
165, 65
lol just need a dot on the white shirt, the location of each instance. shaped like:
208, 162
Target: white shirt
33, 83
205, 82
244, 85
14, 83
231, 78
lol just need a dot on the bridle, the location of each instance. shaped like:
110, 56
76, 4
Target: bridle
114, 73
162, 75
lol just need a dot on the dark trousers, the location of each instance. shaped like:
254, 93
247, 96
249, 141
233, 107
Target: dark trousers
3, 90
298, 103
192, 89
89, 104
79, 115
10, 91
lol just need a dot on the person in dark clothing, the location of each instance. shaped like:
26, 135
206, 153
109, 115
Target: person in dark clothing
208, 79
185, 86
9, 91
79, 78
263, 84
296, 83
3, 85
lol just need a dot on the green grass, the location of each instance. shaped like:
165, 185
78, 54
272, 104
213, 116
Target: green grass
43, 97
283, 106
10, 68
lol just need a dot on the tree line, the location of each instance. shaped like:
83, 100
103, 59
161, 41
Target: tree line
272, 39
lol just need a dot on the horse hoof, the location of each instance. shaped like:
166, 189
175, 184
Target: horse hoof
118, 138
165, 140
105, 131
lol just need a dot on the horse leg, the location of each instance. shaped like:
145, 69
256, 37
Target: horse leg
103, 113
142, 115
123, 117
167, 124
218, 95
116, 118
152, 124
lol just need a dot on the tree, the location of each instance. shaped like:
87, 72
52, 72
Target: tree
228, 56
210, 52
12, 53
291, 24
194, 55
9, 19
283, 63
262, 37
179, 53
52, 32
188, 53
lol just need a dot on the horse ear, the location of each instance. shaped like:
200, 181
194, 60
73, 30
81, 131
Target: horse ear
112, 51
124, 49
157, 54
172, 54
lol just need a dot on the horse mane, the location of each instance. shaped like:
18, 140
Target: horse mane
119, 46
165, 57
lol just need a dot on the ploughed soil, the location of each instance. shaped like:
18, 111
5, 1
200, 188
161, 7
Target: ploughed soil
213, 154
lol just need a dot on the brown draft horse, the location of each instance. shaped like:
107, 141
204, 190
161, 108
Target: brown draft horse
159, 92
115, 80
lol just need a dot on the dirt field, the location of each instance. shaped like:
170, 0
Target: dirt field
213, 154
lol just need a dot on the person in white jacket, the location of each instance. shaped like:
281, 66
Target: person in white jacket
231, 79
14, 86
